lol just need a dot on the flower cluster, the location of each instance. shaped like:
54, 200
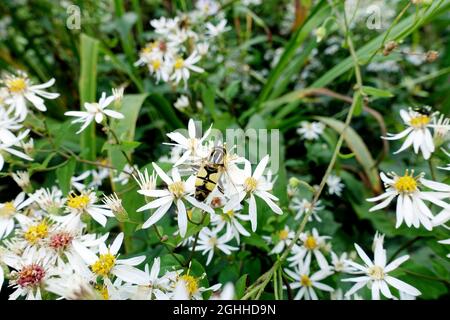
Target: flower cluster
17, 91
181, 42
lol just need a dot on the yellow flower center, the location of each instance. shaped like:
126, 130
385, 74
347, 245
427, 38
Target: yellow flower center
420, 121
156, 64
104, 264
191, 283
16, 85
250, 184
405, 184
305, 281
230, 213
213, 241
36, 232
177, 188
103, 291
179, 63
7, 210
78, 202
283, 234
310, 243
376, 272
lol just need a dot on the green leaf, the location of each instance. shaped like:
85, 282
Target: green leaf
88, 86
241, 284
125, 129
64, 175
166, 110
208, 100
358, 147
375, 92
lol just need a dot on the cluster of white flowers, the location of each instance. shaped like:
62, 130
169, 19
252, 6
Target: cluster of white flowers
225, 203
48, 252
17, 91
181, 42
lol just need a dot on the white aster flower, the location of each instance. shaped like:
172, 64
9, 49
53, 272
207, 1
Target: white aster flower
304, 206
22, 178
307, 282
177, 191
107, 262
151, 286
182, 103
410, 199
183, 67
9, 148
417, 132
251, 185
85, 203
21, 89
312, 243
376, 274
209, 240
94, 111
335, 185
145, 181
188, 287
215, 31
10, 211
230, 221
285, 237
340, 263
192, 146
311, 130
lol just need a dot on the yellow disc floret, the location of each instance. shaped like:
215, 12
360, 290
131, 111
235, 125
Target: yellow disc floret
78, 202
420, 121
310, 243
36, 232
406, 184
7, 210
376, 272
250, 184
283, 234
16, 85
104, 264
305, 281
191, 284
177, 188
179, 63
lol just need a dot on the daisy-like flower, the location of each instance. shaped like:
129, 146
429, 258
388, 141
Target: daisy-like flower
335, 185
107, 263
151, 285
376, 274
207, 7
183, 67
311, 130
9, 148
182, 103
410, 199
21, 89
251, 185
10, 211
304, 206
230, 221
340, 264
312, 243
8, 126
22, 178
285, 236
50, 200
306, 282
145, 181
188, 287
209, 240
31, 275
124, 176
192, 146
94, 111
85, 203
177, 191
417, 132
215, 31
77, 181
